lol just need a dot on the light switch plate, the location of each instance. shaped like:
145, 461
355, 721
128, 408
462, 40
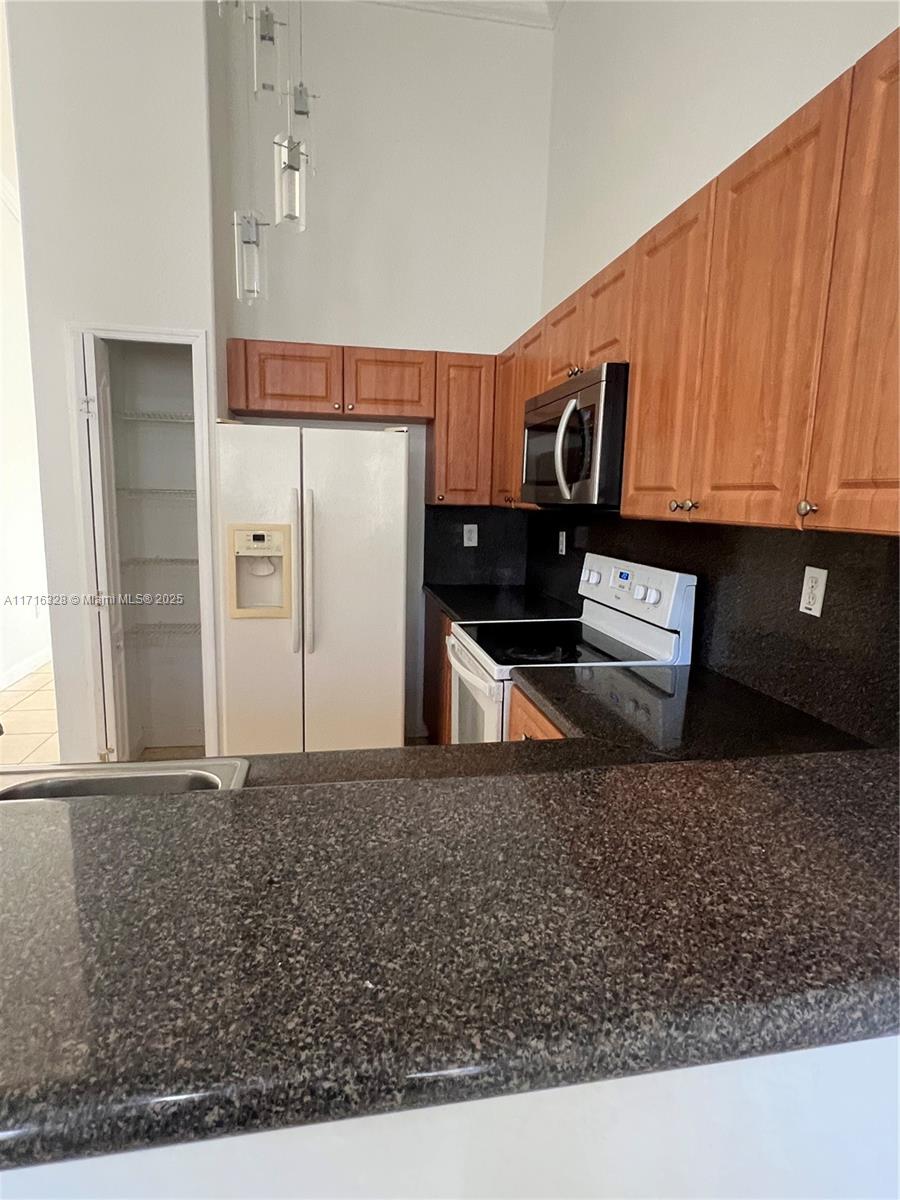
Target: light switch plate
814, 581
562, 541
470, 535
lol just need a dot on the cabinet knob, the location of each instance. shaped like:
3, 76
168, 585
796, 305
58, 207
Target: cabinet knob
805, 507
689, 504
350, 407
337, 406
674, 505
440, 497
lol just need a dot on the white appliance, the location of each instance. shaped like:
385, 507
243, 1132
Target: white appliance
633, 616
314, 545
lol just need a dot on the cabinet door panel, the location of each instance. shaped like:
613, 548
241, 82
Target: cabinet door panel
671, 271
507, 456
563, 337
460, 441
393, 384
776, 210
854, 474
527, 722
606, 314
535, 368
437, 680
293, 377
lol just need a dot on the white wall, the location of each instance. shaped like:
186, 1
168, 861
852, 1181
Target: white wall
24, 631
426, 213
111, 124
651, 100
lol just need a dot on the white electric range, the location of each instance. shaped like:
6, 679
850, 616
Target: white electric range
632, 616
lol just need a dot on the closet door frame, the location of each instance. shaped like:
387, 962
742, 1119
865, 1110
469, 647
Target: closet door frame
80, 405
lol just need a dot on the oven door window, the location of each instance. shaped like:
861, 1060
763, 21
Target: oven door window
477, 707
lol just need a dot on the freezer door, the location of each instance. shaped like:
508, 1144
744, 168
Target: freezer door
262, 660
354, 580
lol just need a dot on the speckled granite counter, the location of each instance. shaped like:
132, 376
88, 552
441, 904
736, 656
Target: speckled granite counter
672, 714
215, 963
484, 603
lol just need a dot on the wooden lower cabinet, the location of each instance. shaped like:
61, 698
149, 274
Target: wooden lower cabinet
390, 384
775, 219
526, 721
854, 468
460, 440
436, 680
284, 378
671, 273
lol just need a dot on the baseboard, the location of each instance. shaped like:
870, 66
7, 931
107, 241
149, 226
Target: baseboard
24, 667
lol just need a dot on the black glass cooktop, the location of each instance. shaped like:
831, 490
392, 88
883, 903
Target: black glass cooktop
547, 643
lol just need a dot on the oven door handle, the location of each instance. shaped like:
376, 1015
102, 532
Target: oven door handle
486, 688
558, 448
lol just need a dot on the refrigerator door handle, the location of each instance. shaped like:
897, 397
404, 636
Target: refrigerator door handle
295, 555
309, 630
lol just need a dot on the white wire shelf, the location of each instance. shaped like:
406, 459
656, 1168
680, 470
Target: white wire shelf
162, 630
137, 493
159, 417
159, 562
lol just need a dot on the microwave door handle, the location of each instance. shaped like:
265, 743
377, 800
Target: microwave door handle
480, 685
558, 448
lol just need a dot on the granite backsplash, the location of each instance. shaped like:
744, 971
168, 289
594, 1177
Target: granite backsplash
498, 559
841, 667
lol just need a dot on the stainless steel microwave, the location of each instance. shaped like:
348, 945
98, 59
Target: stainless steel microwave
575, 438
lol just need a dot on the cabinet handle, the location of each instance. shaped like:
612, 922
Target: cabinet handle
674, 505
526, 737
440, 497
805, 507
337, 406
350, 407
689, 504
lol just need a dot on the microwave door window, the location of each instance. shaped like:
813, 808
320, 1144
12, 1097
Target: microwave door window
539, 469
577, 446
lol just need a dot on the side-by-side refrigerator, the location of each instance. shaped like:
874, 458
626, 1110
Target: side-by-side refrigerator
313, 600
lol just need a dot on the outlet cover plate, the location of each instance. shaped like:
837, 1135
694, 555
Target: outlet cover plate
562, 541
470, 535
814, 581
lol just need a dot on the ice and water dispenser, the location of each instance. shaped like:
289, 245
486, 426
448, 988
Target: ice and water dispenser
259, 570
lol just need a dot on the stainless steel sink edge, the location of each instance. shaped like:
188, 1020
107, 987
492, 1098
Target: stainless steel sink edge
88, 779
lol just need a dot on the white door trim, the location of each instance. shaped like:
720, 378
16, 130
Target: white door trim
204, 420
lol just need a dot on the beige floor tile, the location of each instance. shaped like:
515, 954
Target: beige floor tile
49, 686
8, 699
15, 747
30, 720
28, 682
35, 700
47, 752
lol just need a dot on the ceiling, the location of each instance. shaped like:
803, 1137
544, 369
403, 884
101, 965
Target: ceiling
539, 14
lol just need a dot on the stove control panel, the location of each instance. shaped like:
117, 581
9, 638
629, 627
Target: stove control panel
664, 598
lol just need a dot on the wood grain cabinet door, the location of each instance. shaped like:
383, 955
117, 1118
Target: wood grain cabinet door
437, 677
392, 384
671, 272
535, 363
526, 721
506, 473
605, 314
776, 211
562, 332
460, 442
854, 472
290, 378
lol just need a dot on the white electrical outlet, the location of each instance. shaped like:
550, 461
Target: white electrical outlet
814, 581
562, 541
470, 535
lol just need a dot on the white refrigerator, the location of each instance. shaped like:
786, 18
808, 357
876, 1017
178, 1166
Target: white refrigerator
323, 668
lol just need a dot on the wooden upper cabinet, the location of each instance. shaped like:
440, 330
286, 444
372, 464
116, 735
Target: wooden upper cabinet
854, 473
392, 384
506, 474
776, 211
671, 272
460, 440
562, 333
290, 378
605, 314
535, 363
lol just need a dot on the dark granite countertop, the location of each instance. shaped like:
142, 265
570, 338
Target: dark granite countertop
673, 713
483, 603
222, 962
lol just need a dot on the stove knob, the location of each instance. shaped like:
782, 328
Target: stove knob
654, 595
639, 591
593, 576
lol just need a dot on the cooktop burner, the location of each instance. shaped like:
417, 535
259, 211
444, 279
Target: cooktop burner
547, 643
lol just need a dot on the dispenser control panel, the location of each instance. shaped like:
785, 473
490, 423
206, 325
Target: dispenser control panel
258, 542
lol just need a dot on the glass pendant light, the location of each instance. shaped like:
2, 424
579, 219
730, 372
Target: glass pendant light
266, 41
249, 256
290, 182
